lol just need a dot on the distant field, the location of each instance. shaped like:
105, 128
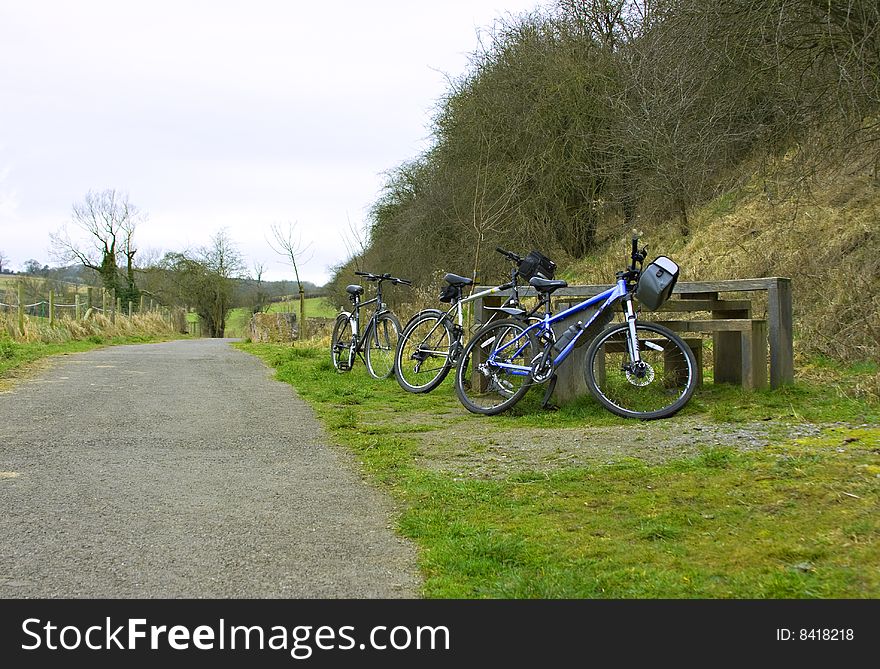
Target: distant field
316, 307
236, 323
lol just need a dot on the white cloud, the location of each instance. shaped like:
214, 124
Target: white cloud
221, 114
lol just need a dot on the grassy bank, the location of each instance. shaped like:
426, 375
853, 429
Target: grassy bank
742, 495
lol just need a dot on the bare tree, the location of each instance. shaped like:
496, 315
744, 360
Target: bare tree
260, 296
286, 242
103, 239
356, 241
3, 260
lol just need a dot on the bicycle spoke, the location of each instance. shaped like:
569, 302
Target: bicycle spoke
423, 356
656, 386
492, 375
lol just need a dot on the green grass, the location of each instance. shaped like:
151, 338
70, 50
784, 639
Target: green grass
795, 519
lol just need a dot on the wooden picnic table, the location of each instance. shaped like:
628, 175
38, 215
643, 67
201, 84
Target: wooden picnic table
741, 342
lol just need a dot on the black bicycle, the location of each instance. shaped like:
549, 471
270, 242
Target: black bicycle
432, 341
378, 343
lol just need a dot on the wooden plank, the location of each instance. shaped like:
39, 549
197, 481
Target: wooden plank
705, 305
681, 288
727, 356
714, 325
725, 285
754, 356
779, 314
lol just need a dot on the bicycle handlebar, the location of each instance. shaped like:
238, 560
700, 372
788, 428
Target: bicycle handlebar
509, 255
384, 277
636, 255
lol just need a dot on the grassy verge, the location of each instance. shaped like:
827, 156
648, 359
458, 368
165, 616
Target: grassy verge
525, 505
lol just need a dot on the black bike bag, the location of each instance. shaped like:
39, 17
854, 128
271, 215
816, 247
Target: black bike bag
656, 283
536, 264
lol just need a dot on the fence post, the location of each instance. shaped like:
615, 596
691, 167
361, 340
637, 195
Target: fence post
21, 307
104, 301
129, 308
113, 305
141, 307
77, 308
51, 308
89, 295
152, 307
302, 314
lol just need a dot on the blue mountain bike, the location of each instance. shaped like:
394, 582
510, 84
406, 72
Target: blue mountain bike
635, 369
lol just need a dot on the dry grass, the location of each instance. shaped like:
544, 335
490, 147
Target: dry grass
824, 238
64, 330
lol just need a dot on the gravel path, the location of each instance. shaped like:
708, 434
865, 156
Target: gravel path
183, 470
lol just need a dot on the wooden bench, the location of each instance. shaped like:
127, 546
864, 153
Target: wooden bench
741, 342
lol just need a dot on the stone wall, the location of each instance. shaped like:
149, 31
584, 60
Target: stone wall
274, 328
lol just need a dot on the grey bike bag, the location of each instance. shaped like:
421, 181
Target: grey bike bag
656, 283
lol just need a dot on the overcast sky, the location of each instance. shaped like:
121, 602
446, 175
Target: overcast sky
210, 115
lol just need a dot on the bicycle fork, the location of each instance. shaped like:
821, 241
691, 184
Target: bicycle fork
632, 342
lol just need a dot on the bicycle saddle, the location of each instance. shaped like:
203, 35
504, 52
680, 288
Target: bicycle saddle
546, 285
456, 280
354, 289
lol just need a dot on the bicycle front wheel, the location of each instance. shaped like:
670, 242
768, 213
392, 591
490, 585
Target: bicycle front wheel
424, 354
341, 344
381, 345
656, 387
494, 371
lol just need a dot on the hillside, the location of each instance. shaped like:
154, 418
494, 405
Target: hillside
742, 138
825, 240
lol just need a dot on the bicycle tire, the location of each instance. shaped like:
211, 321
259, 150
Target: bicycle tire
340, 344
659, 389
483, 389
424, 353
380, 345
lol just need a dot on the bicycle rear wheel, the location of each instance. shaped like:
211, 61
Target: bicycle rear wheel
494, 371
340, 344
381, 345
424, 354
657, 387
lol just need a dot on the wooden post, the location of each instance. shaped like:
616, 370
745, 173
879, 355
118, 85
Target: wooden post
51, 308
112, 305
781, 336
152, 305
21, 307
89, 296
77, 308
129, 308
104, 301
728, 351
302, 314
141, 307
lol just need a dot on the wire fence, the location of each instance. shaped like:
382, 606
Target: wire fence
84, 305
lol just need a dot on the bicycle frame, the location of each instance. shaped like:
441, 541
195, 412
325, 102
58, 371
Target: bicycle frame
354, 318
457, 307
606, 299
